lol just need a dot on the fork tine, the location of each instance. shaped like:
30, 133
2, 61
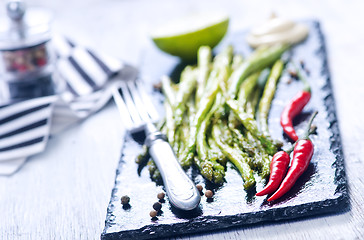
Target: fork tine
142, 110
134, 114
147, 102
125, 116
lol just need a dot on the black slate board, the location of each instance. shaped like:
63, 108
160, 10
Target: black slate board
321, 189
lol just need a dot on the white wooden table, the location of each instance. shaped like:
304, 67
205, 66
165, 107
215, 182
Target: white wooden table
63, 192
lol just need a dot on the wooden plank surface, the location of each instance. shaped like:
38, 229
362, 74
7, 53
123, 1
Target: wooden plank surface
63, 193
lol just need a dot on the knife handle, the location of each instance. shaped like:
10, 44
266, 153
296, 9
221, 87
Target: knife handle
181, 191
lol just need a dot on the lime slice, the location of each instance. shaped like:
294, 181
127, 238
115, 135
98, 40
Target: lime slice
183, 37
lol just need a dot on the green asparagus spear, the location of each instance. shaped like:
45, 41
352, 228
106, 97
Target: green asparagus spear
230, 137
218, 75
201, 144
224, 58
238, 158
153, 171
223, 61
263, 159
247, 87
205, 106
237, 61
184, 133
223, 91
209, 167
222, 64
170, 123
186, 87
168, 91
251, 125
253, 99
215, 152
259, 159
202, 148
244, 144
268, 94
203, 65
257, 61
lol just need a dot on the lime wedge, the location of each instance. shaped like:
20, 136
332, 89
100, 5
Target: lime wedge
183, 37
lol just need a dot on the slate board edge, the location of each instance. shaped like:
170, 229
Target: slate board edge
335, 139
213, 223
339, 203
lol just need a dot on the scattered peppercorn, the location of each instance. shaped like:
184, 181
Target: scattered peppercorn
302, 63
303, 66
158, 86
209, 193
199, 187
153, 213
125, 200
161, 195
157, 206
293, 74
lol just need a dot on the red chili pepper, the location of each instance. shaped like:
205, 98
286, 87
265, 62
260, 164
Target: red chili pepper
278, 169
302, 155
292, 110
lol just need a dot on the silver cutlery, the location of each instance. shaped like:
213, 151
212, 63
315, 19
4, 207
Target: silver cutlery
138, 113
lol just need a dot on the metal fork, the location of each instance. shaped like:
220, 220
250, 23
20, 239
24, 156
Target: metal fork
138, 113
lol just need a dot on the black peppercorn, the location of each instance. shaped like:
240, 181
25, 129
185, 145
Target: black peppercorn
125, 200
157, 206
293, 74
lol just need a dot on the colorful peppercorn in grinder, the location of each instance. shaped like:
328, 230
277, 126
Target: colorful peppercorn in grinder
26, 62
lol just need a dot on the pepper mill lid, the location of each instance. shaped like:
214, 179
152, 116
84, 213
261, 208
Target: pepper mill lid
15, 10
24, 27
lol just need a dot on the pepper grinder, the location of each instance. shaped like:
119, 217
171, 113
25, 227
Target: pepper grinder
26, 59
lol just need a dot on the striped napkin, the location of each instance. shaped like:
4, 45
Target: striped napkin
84, 78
